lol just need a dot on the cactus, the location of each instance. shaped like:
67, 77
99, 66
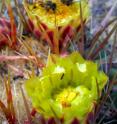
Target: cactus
56, 27
8, 30
68, 88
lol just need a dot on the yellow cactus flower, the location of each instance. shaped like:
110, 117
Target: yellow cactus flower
61, 16
68, 88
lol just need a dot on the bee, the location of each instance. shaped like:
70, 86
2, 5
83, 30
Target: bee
69, 2
48, 5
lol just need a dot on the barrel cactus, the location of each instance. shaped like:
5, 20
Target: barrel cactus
68, 88
56, 21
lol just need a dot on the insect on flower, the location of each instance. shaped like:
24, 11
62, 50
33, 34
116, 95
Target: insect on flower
54, 21
69, 2
66, 92
56, 11
47, 5
62, 76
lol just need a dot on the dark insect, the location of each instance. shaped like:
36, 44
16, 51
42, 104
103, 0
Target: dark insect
48, 5
62, 76
69, 2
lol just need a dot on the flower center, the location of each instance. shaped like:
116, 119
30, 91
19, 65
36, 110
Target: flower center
66, 96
